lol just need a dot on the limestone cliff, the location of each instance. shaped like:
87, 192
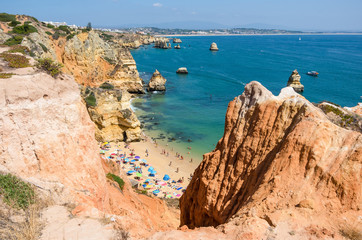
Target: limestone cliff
112, 114
282, 169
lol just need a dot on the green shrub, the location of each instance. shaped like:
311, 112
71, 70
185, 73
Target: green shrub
6, 75
70, 36
106, 37
51, 67
5, 17
45, 49
106, 85
36, 20
27, 22
14, 40
116, 179
64, 28
15, 192
50, 25
24, 29
15, 60
14, 23
19, 49
91, 100
55, 35
49, 33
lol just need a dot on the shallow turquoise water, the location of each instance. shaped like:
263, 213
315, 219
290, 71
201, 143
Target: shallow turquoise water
194, 105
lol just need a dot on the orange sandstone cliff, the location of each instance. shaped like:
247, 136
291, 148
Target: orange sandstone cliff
282, 170
47, 139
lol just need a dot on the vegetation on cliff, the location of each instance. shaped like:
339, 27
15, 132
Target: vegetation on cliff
51, 67
15, 192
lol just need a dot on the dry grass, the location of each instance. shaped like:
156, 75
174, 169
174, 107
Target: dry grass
28, 226
352, 232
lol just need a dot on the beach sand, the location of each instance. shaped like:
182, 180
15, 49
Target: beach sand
161, 163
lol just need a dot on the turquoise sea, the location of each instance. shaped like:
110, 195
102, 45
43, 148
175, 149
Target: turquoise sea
191, 113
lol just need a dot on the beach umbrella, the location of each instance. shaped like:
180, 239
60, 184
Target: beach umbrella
133, 160
126, 160
147, 180
138, 174
103, 152
153, 172
166, 177
143, 160
150, 169
113, 154
130, 172
137, 157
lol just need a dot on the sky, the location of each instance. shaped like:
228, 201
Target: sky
305, 15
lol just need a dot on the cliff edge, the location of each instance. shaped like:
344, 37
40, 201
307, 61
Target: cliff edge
281, 169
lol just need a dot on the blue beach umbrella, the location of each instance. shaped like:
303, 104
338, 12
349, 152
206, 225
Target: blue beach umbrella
130, 172
166, 177
137, 157
143, 160
150, 169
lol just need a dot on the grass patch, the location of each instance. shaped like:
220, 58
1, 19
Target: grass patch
19, 49
15, 60
6, 75
14, 23
51, 67
91, 100
106, 37
24, 29
50, 25
106, 85
5, 17
49, 33
116, 179
45, 49
15, 192
14, 40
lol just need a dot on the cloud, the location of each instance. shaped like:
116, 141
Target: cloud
157, 5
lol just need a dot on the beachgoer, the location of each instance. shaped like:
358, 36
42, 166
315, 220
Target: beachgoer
177, 170
170, 163
191, 160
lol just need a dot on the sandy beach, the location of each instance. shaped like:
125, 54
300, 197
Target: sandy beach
163, 164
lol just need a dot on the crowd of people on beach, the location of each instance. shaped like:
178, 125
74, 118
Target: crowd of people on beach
136, 169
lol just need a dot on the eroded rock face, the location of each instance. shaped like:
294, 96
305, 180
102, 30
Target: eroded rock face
281, 164
157, 82
182, 70
113, 116
47, 139
162, 43
176, 40
294, 82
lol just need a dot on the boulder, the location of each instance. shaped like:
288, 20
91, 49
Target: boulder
177, 46
213, 47
182, 70
162, 43
157, 82
177, 40
294, 82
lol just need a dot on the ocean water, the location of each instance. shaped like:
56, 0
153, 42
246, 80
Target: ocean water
190, 116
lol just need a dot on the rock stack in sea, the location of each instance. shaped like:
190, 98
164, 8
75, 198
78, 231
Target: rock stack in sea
157, 82
213, 47
182, 70
177, 46
177, 40
294, 82
162, 43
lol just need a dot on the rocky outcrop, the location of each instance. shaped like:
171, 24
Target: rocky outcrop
110, 110
294, 82
47, 139
177, 46
213, 47
281, 168
176, 40
157, 82
162, 43
182, 70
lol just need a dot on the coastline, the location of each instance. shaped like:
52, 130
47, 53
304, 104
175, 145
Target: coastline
286, 34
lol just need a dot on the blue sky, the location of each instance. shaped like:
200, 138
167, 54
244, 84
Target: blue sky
327, 15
